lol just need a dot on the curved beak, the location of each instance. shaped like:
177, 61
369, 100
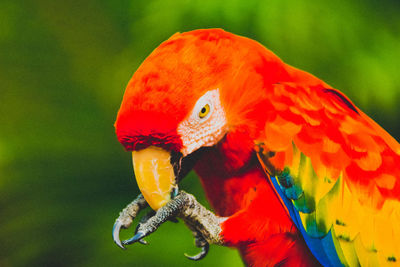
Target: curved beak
155, 175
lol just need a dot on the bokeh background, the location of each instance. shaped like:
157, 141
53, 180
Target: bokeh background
63, 69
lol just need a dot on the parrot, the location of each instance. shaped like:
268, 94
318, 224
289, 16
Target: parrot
295, 173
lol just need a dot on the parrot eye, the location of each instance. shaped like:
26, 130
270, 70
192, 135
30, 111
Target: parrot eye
204, 111
205, 125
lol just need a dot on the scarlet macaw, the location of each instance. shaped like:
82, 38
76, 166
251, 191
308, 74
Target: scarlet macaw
296, 173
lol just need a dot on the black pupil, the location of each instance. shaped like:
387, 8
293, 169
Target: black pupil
203, 110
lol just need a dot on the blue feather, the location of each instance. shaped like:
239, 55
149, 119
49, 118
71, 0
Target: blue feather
323, 248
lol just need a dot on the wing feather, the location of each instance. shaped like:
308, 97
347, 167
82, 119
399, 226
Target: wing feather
333, 133
339, 170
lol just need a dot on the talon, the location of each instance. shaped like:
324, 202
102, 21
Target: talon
143, 242
135, 238
115, 232
201, 255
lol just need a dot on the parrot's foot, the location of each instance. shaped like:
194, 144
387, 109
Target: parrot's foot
200, 242
204, 224
126, 218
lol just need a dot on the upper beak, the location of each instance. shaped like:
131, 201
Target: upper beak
155, 175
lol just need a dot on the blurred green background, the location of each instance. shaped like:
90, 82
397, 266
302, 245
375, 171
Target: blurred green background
63, 68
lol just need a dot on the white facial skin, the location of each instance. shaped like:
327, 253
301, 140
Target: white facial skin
202, 127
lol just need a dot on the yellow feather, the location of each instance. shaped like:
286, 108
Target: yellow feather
364, 234
367, 257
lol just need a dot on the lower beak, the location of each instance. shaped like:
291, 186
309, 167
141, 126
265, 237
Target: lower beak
154, 175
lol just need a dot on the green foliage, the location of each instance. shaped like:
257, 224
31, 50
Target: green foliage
63, 69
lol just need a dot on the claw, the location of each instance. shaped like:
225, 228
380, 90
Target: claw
201, 255
143, 242
115, 232
135, 238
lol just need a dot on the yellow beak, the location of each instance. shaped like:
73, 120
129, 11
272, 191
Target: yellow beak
154, 175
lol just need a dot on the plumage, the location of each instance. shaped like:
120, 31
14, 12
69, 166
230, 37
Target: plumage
301, 173
342, 163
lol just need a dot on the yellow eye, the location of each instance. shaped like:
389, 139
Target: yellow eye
204, 111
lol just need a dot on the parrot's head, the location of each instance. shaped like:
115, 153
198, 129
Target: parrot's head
188, 94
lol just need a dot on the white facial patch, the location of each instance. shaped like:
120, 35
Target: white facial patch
205, 126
